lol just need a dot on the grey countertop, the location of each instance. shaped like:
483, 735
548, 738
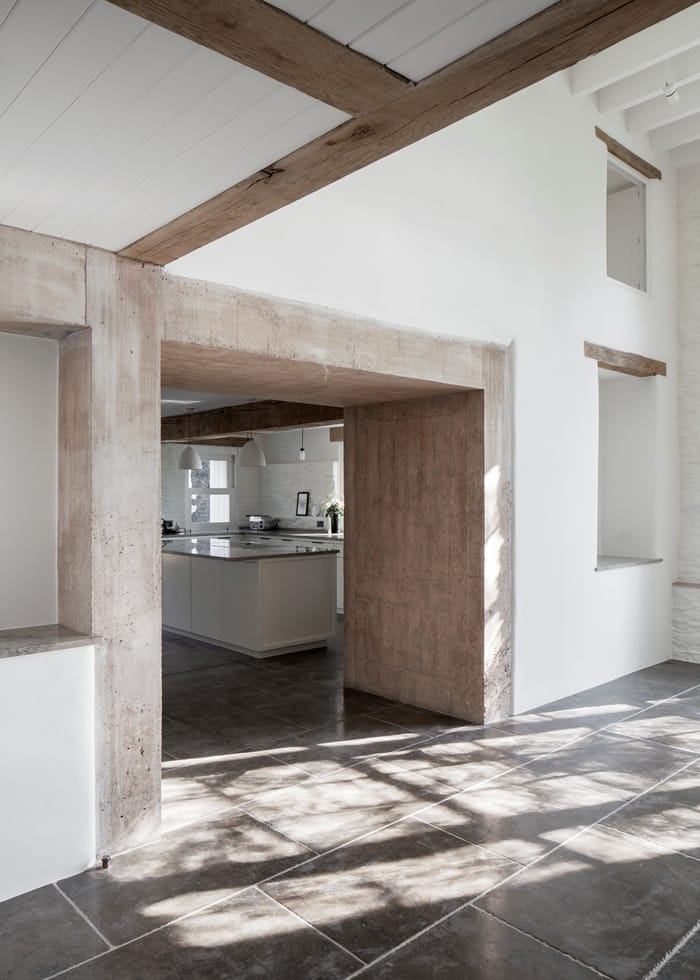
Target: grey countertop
235, 548
41, 639
272, 533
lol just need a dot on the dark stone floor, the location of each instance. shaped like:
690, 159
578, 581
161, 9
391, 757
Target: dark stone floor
311, 833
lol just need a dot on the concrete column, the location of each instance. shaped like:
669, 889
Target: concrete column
109, 546
414, 556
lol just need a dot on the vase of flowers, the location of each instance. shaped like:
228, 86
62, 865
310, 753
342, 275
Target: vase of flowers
334, 510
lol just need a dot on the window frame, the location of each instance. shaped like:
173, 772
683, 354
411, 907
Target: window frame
190, 491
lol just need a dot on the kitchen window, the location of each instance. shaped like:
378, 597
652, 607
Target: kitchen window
209, 491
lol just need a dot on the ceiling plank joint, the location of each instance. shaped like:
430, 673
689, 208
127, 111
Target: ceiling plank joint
272, 42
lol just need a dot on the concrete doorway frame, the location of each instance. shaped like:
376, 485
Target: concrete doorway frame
114, 318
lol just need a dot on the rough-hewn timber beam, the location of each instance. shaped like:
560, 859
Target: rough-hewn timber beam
281, 47
556, 38
632, 160
231, 441
624, 362
236, 419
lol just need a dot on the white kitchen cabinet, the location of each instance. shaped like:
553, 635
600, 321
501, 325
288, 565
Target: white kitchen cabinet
340, 581
206, 597
240, 609
177, 592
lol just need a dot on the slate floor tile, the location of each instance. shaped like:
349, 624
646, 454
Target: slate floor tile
180, 873
471, 945
674, 723
40, 934
419, 719
246, 937
520, 815
668, 815
233, 779
346, 742
184, 799
372, 895
683, 965
462, 758
615, 903
611, 765
242, 731
334, 809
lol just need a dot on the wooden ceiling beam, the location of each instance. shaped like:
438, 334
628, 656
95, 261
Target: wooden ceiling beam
236, 420
555, 39
262, 37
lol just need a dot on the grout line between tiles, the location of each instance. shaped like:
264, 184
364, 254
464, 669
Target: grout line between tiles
547, 945
310, 925
82, 914
672, 952
472, 902
664, 848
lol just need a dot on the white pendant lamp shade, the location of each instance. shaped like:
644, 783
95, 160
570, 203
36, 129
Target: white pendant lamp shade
189, 459
252, 454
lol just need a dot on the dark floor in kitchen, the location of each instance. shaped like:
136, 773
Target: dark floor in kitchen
315, 834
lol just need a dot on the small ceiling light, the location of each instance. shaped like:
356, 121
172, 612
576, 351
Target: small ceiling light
302, 451
251, 454
671, 93
189, 457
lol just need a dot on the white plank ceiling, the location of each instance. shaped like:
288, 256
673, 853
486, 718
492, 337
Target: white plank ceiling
110, 126
412, 37
629, 78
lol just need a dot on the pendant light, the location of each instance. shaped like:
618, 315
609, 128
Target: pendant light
189, 457
302, 451
251, 454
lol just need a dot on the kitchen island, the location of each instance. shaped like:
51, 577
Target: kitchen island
259, 598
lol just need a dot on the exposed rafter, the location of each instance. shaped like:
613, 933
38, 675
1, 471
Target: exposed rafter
235, 420
676, 133
646, 48
555, 39
262, 37
649, 82
659, 112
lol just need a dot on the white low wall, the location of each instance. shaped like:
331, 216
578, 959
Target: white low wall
47, 768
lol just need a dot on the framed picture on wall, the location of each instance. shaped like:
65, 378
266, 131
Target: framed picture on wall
303, 503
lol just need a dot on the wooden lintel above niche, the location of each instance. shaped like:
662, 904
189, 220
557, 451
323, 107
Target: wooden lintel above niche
624, 362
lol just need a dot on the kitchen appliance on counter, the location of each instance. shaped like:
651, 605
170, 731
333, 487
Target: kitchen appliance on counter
261, 522
169, 527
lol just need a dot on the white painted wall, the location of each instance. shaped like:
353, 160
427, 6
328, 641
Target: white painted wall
47, 768
28, 480
494, 229
627, 466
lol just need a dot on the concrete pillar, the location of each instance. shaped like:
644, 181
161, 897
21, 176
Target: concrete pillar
109, 545
414, 556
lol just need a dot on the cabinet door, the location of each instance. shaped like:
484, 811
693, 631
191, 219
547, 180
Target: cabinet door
177, 592
206, 597
240, 604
